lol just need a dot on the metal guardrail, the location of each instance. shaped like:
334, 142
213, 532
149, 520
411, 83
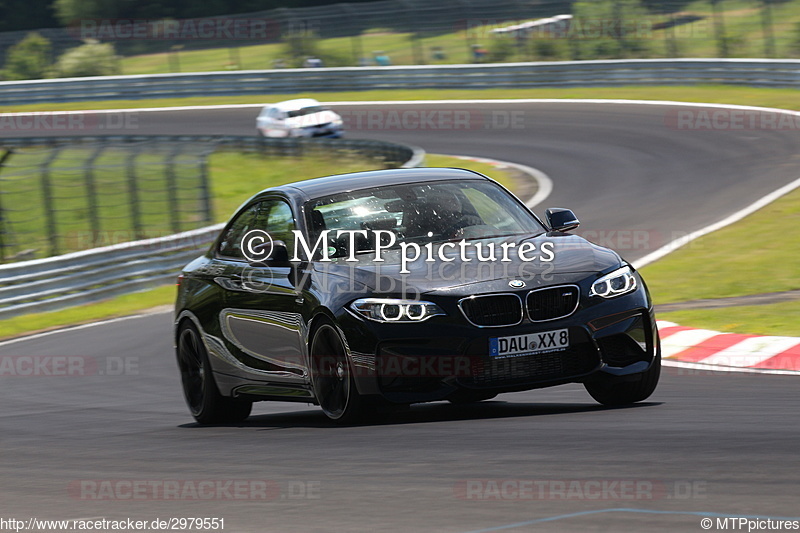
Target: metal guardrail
86, 276
393, 154
82, 277
611, 73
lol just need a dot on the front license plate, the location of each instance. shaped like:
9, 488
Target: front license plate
529, 344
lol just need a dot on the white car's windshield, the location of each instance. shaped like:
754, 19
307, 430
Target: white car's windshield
306, 111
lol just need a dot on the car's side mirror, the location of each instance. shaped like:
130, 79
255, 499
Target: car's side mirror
560, 219
278, 257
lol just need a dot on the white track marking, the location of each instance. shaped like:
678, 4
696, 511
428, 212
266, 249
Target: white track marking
752, 351
430, 102
735, 217
683, 340
81, 326
542, 179
717, 368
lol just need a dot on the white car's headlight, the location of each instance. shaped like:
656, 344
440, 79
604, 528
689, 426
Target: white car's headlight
621, 281
394, 310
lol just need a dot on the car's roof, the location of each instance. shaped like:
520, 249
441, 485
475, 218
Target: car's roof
298, 103
317, 187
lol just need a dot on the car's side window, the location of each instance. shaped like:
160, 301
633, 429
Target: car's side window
251, 218
273, 216
280, 223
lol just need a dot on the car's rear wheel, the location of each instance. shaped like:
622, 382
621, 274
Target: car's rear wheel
614, 391
332, 376
202, 396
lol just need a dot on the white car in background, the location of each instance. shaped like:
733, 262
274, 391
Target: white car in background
304, 117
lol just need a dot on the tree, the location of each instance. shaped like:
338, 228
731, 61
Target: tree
90, 59
28, 59
16, 15
297, 46
610, 29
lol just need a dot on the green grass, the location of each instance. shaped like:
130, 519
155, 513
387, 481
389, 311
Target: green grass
25, 210
125, 305
771, 319
724, 94
742, 19
751, 256
235, 177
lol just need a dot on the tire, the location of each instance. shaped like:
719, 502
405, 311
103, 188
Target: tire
612, 391
200, 390
332, 376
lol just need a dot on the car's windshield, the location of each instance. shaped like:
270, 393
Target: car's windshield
306, 111
423, 213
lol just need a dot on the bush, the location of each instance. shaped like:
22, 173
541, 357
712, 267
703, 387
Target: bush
546, 49
609, 29
298, 46
502, 49
28, 59
90, 59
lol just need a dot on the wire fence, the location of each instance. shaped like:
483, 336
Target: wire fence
68, 194
444, 32
61, 198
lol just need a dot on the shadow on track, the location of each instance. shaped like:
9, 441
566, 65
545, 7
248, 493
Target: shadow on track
423, 413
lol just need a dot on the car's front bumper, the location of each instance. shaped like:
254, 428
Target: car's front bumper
432, 361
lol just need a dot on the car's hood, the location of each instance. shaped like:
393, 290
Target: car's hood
573, 258
311, 120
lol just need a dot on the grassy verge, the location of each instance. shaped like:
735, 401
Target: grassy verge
770, 319
235, 177
743, 23
749, 257
723, 94
128, 304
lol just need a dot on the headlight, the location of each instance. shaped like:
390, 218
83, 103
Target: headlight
392, 310
621, 281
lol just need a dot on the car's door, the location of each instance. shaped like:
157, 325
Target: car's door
261, 320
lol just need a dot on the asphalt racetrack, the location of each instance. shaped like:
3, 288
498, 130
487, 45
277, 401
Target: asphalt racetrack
706, 445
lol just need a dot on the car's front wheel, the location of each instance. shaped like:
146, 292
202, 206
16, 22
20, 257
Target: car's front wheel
332, 376
614, 391
205, 402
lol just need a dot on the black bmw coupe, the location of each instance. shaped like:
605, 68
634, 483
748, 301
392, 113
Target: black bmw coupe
395, 287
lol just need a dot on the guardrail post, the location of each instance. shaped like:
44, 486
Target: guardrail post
205, 186
719, 28
133, 193
766, 22
91, 193
235, 58
47, 201
172, 193
3, 223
